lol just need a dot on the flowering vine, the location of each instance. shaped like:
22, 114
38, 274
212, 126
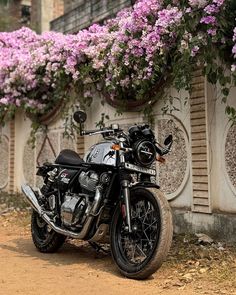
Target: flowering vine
156, 40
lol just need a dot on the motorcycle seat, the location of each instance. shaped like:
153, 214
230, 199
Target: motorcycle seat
69, 157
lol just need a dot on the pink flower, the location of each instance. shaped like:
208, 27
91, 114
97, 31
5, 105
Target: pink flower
212, 32
208, 20
197, 3
4, 101
134, 46
194, 51
234, 50
233, 68
211, 9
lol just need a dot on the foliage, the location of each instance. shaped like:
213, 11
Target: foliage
156, 40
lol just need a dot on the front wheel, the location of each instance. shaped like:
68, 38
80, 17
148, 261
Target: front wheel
141, 253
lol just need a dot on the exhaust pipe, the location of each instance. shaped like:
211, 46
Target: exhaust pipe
33, 201
31, 198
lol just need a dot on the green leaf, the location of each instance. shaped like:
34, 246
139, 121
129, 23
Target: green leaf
224, 99
227, 110
212, 77
225, 91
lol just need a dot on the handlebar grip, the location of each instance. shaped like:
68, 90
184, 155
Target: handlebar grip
159, 151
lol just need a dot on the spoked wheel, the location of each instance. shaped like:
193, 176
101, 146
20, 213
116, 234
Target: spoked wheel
141, 253
45, 239
139, 245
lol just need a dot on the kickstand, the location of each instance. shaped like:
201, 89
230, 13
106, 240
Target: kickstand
98, 248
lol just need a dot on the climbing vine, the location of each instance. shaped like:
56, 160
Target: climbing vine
155, 44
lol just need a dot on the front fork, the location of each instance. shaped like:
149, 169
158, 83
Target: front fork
125, 182
126, 195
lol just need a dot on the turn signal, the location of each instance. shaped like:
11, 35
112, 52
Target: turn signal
115, 147
160, 159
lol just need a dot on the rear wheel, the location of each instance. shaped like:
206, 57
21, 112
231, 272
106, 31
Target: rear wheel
141, 253
45, 239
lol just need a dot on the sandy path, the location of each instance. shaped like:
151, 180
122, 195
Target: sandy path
76, 269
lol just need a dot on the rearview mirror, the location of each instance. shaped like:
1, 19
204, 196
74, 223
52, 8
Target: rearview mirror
168, 141
80, 117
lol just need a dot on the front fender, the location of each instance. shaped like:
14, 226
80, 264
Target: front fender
144, 185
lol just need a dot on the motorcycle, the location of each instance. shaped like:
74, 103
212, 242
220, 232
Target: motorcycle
110, 196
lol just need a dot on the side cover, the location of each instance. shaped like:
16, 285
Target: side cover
65, 177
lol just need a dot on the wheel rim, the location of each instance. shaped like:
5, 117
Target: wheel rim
137, 248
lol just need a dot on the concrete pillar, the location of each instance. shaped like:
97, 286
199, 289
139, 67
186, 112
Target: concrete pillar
43, 12
11, 186
199, 145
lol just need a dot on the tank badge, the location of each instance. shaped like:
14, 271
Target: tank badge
96, 154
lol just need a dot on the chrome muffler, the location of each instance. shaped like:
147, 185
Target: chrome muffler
31, 198
33, 201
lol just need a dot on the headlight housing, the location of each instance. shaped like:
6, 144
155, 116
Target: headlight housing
144, 152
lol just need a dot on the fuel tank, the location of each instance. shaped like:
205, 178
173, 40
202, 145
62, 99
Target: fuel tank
101, 153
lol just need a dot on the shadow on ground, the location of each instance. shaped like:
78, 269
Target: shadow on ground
69, 254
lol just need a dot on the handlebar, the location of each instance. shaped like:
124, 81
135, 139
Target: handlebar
163, 151
115, 130
101, 131
159, 151
89, 132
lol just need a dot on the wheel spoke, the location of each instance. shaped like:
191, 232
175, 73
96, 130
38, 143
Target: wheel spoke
146, 213
150, 225
147, 238
145, 256
138, 245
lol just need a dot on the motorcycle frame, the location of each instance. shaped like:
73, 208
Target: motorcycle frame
120, 171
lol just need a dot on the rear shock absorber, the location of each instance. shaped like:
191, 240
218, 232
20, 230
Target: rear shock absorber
50, 180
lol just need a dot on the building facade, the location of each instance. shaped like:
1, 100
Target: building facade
43, 12
79, 14
14, 14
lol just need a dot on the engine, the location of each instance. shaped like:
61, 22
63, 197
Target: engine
88, 180
74, 210
76, 207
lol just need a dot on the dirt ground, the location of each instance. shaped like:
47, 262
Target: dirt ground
77, 269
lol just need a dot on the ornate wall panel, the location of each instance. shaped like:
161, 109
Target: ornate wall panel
230, 156
67, 143
46, 147
4, 155
172, 176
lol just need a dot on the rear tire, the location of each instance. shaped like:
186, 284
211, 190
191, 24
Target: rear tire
45, 239
140, 254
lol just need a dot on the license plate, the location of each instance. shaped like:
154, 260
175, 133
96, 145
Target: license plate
140, 169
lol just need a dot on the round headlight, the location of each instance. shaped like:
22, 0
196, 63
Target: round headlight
145, 152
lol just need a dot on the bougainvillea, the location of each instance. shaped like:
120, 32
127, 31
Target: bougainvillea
126, 57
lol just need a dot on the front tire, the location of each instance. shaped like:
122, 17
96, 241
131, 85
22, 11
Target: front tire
45, 239
140, 254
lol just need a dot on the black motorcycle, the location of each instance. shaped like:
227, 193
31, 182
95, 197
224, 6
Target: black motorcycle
109, 197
